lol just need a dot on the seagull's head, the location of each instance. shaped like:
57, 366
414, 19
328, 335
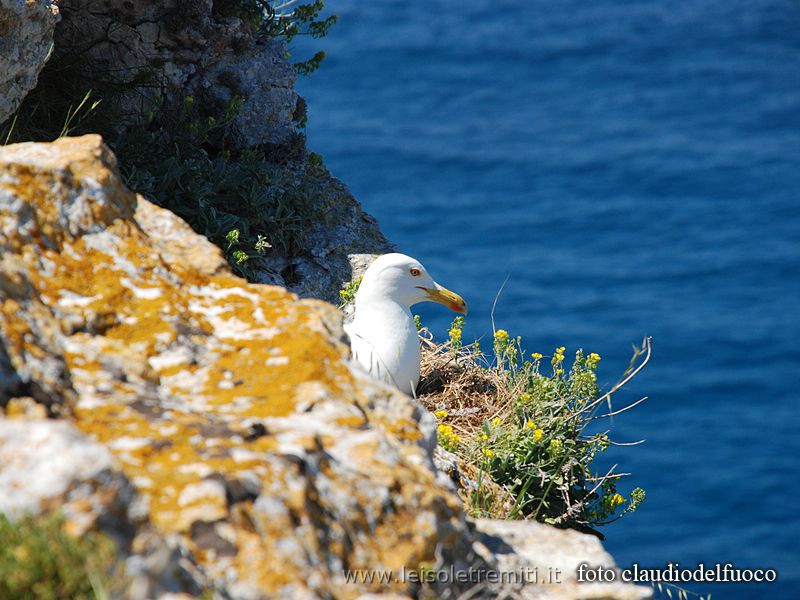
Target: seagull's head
404, 280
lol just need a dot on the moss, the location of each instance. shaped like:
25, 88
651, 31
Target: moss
39, 560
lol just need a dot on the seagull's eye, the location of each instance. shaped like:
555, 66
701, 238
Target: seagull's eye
415, 272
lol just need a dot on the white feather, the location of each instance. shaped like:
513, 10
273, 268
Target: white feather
383, 336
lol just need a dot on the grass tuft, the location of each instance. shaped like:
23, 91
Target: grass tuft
38, 559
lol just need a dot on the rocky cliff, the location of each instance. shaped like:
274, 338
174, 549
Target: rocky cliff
140, 64
225, 411
26, 37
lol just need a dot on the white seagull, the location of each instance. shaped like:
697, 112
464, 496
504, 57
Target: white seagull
383, 337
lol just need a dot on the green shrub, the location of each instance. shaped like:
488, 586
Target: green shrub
241, 201
284, 19
38, 560
348, 292
522, 422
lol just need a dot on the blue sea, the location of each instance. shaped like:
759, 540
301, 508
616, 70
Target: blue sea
633, 169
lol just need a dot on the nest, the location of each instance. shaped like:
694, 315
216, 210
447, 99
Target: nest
465, 384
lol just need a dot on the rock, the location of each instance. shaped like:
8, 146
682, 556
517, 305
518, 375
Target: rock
552, 556
26, 37
41, 461
161, 566
40, 373
47, 465
253, 449
25, 406
137, 54
265, 79
338, 247
148, 58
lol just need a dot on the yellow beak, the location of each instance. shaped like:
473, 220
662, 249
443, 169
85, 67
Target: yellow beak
444, 296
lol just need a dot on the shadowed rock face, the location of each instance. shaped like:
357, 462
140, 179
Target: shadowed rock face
229, 407
138, 53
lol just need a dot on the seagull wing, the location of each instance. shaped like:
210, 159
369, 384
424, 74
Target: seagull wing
365, 354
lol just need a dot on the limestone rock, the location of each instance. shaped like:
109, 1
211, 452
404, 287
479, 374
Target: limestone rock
231, 408
552, 556
42, 460
340, 247
47, 465
265, 79
40, 373
135, 53
26, 36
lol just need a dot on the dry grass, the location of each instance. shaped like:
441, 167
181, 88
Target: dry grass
472, 391
464, 384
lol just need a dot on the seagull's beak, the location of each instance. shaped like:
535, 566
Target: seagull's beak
444, 296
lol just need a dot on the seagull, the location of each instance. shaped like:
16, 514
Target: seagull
383, 336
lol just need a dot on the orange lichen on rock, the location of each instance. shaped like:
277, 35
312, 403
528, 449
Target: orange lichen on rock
230, 407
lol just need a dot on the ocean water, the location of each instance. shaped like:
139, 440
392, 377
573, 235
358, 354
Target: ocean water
632, 168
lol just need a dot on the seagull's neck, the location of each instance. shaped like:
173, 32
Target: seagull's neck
381, 305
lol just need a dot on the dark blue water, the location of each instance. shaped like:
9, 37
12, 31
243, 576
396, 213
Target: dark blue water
634, 168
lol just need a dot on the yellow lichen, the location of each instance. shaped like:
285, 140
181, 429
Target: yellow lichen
248, 354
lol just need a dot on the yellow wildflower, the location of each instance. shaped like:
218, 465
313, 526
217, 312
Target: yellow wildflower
485, 437
448, 438
616, 500
538, 434
501, 336
440, 414
536, 356
594, 357
488, 452
530, 425
558, 357
525, 398
496, 421
555, 446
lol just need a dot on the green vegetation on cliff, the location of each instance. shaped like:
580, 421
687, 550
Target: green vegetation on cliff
286, 20
244, 201
526, 425
38, 559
